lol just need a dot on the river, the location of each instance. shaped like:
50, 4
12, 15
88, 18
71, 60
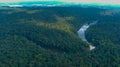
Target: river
81, 33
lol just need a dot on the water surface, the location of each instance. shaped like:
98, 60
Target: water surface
81, 33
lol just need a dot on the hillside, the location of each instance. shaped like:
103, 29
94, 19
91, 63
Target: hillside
47, 37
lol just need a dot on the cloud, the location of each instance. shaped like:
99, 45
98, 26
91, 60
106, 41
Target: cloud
94, 1
115, 2
24, 0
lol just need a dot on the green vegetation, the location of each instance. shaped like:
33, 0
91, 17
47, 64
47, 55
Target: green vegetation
47, 37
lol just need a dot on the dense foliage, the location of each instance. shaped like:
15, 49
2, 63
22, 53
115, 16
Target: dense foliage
47, 37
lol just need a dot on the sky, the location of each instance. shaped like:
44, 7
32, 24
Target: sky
114, 2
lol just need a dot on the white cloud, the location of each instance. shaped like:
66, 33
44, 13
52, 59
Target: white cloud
116, 2
23, 0
10, 0
94, 1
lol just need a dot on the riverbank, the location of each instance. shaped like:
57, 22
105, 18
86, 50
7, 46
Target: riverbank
81, 33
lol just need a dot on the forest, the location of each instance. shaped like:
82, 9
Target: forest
47, 37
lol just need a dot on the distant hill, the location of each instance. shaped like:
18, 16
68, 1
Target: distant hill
56, 3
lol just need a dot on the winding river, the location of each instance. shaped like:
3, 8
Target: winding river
81, 33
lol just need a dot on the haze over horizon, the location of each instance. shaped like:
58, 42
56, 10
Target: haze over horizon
111, 2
